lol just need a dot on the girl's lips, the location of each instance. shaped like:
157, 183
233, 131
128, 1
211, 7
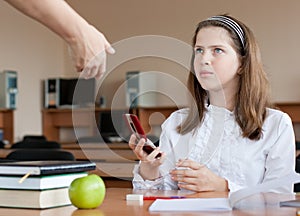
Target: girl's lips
205, 73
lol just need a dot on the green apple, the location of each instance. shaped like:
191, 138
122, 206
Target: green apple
87, 192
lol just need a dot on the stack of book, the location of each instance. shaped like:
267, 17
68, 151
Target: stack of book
39, 184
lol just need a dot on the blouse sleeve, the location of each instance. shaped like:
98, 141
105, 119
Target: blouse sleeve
280, 160
139, 183
164, 182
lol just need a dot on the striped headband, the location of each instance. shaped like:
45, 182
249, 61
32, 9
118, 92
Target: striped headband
231, 24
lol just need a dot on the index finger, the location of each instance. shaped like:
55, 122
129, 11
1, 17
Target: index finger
101, 69
189, 164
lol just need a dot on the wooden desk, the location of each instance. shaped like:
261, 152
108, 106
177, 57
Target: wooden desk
7, 124
110, 166
113, 152
115, 204
115, 161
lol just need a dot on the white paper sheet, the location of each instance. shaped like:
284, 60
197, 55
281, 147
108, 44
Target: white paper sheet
220, 204
191, 204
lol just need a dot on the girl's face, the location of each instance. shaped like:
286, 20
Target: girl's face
216, 62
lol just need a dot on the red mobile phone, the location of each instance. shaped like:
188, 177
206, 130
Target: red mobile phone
136, 128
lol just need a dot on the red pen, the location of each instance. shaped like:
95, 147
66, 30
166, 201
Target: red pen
158, 197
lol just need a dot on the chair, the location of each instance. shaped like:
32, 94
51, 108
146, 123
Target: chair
297, 169
2, 144
297, 145
39, 154
36, 145
28, 138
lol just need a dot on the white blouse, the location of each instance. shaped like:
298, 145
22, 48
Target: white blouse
218, 143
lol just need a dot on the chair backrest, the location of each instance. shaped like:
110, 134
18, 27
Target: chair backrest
36, 145
2, 144
297, 169
28, 138
39, 154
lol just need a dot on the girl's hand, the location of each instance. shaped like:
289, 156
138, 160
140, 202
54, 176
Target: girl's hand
197, 177
149, 167
142, 155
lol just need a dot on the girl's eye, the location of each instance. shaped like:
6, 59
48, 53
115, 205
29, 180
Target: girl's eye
218, 50
199, 50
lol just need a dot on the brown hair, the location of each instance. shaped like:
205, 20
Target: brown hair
253, 94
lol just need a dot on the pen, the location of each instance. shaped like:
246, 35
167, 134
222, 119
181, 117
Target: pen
158, 197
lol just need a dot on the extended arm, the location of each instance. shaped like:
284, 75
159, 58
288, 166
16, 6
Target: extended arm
84, 40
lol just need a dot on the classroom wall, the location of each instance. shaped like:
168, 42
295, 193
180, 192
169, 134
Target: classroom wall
275, 24
36, 53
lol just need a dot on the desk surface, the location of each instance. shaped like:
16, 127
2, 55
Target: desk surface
115, 204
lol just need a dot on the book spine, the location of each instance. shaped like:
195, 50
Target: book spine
66, 169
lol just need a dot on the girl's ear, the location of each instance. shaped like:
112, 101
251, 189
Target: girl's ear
240, 71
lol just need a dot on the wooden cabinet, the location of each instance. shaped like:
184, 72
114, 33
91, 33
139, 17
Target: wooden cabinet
153, 116
292, 109
7, 124
55, 119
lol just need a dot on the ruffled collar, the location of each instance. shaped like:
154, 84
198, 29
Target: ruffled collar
212, 108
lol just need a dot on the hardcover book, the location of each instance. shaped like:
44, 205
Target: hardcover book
39, 182
39, 168
34, 199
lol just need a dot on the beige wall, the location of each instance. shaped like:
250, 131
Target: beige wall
275, 24
36, 53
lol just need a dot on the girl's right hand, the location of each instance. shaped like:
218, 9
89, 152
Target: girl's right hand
149, 166
142, 155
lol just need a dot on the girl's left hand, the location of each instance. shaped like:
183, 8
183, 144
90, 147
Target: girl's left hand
197, 177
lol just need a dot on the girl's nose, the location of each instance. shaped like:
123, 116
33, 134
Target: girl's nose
206, 58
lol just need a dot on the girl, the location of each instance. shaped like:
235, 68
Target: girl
230, 137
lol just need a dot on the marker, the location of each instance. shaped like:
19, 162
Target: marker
157, 197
